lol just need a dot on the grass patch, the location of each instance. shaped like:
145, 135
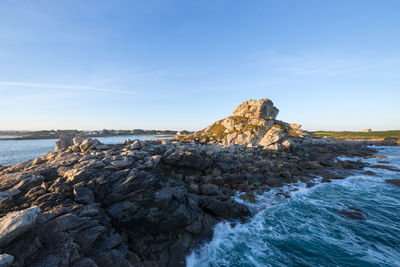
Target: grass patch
238, 119
358, 135
216, 131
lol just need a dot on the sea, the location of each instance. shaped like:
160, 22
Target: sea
305, 229
15, 151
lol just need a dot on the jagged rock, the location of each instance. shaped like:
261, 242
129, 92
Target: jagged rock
258, 109
64, 142
88, 144
186, 159
156, 210
16, 223
83, 195
209, 189
121, 164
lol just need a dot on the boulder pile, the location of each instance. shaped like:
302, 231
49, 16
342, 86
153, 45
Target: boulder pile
253, 124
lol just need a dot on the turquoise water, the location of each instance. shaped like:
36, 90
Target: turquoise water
307, 230
14, 151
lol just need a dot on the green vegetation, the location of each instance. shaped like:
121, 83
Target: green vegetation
216, 131
246, 127
238, 119
358, 135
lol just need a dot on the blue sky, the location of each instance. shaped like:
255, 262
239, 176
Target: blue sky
332, 65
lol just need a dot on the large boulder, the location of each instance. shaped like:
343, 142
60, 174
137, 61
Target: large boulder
16, 223
64, 142
257, 109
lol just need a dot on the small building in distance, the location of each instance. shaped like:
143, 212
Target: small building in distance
367, 130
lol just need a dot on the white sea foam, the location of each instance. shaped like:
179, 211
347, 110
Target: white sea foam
282, 222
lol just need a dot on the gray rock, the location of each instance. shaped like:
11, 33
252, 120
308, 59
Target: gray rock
88, 144
152, 161
63, 143
121, 164
135, 145
186, 159
263, 108
271, 139
194, 188
85, 262
6, 260
87, 237
16, 223
9, 194
83, 195
209, 189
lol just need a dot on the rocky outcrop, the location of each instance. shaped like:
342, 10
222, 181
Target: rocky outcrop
150, 203
143, 203
257, 109
64, 142
253, 124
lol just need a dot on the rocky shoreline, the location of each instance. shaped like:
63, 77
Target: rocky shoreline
144, 203
150, 203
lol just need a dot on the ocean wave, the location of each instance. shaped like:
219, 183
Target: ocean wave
307, 229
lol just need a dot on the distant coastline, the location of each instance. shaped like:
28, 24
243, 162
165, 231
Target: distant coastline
52, 134
392, 135
3, 138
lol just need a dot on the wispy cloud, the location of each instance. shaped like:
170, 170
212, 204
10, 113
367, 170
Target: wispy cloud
67, 87
319, 64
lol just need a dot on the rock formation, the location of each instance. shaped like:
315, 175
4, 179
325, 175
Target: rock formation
140, 203
257, 109
150, 203
253, 124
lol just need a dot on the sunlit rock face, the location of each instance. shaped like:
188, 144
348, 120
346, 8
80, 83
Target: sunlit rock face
257, 109
253, 124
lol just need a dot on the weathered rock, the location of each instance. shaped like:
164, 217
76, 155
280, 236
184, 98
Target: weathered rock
209, 190
263, 108
154, 211
88, 144
6, 260
121, 164
16, 223
271, 139
64, 142
186, 159
83, 195
85, 262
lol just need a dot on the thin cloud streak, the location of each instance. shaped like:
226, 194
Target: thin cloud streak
68, 87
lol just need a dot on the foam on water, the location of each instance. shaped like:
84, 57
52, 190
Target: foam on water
306, 229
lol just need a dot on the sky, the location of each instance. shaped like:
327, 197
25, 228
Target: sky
166, 64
